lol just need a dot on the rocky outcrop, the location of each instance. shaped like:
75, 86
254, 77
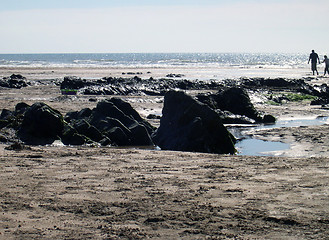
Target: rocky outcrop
132, 86
235, 101
14, 81
189, 125
294, 85
40, 125
112, 122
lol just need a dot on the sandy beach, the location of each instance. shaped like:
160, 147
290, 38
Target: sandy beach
60, 192
189, 72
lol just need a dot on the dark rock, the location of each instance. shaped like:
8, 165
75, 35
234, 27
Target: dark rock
106, 141
323, 91
111, 122
70, 136
295, 85
132, 86
84, 128
268, 119
14, 81
270, 82
3, 138
140, 136
131, 112
4, 123
320, 101
119, 136
188, 125
93, 91
17, 146
153, 116
85, 113
41, 125
13, 118
173, 75
82, 114
17, 77
6, 114
108, 109
235, 100
121, 123
73, 82
21, 108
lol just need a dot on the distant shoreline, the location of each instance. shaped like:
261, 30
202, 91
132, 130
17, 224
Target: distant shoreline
190, 73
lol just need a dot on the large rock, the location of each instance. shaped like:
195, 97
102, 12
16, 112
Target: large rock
132, 113
121, 123
112, 121
189, 125
41, 125
14, 81
237, 101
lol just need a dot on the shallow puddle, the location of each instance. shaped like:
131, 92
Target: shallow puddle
255, 147
297, 122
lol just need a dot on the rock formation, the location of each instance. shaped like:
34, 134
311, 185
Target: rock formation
189, 125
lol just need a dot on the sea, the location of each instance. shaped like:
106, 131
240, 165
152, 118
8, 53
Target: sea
195, 65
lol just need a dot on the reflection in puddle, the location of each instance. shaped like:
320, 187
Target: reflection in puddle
255, 147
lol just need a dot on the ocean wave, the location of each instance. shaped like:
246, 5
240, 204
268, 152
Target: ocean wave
154, 60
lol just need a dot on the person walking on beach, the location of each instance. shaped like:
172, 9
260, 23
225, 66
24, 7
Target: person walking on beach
326, 67
314, 57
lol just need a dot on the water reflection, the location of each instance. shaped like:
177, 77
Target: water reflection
255, 147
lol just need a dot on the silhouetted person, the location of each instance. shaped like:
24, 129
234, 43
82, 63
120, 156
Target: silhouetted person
326, 68
314, 57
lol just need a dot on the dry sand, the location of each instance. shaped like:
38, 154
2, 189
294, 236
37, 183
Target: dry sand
57, 192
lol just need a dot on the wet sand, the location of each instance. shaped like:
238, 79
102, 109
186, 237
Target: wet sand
189, 72
57, 192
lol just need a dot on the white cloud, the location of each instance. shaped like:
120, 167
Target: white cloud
247, 27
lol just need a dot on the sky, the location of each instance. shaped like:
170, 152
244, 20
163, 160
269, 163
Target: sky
120, 26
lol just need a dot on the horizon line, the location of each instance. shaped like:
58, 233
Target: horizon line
183, 52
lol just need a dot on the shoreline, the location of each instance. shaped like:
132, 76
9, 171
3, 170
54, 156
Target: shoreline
187, 72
